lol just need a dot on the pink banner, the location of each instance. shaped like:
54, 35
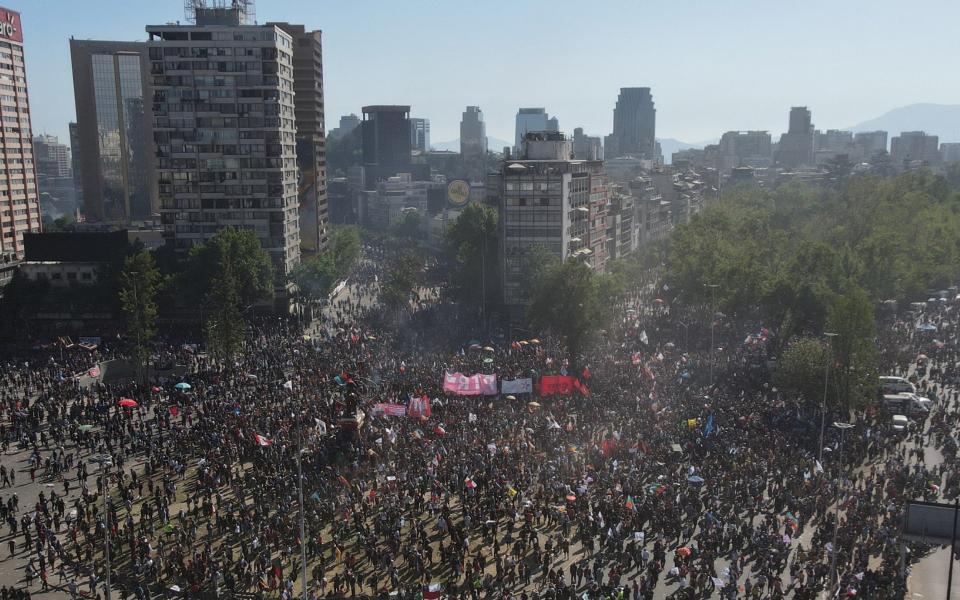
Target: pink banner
472, 385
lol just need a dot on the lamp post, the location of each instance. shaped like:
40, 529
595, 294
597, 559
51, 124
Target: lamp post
836, 513
823, 406
303, 539
713, 317
105, 461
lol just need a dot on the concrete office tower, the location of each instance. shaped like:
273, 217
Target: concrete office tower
111, 89
473, 133
586, 147
869, 143
546, 199
311, 143
19, 197
915, 146
420, 135
532, 119
796, 146
225, 132
744, 149
634, 125
54, 176
386, 145
347, 124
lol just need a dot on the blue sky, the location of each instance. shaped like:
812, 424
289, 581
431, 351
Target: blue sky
713, 65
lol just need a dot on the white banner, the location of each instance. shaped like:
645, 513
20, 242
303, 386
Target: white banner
517, 386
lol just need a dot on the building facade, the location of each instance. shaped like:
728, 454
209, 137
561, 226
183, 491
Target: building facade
634, 125
796, 146
347, 124
386, 145
225, 132
420, 135
111, 86
915, 146
546, 199
311, 142
532, 119
473, 133
587, 147
744, 149
870, 143
19, 196
54, 176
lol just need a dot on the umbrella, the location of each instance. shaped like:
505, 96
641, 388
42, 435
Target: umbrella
534, 341
533, 404
524, 343
696, 479
155, 389
921, 357
488, 349
926, 327
183, 386
475, 346
307, 338
127, 402
511, 397
571, 498
683, 551
85, 427
488, 360
469, 483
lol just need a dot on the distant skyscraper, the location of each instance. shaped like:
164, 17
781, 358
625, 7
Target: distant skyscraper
796, 146
473, 133
75, 163
18, 181
869, 143
532, 119
586, 147
912, 146
744, 149
950, 152
54, 175
386, 145
420, 134
229, 156
347, 124
634, 125
111, 87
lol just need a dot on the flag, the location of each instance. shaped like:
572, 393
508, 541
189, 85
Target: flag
817, 467
94, 372
635, 359
174, 410
321, 427
418, 407
643, 337
511, 491
718, 583
288, 385
708, 428
262, 441
469, 483
629, 504
586, 373
580, 387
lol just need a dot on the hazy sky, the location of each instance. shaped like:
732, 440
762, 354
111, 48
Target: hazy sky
712, 65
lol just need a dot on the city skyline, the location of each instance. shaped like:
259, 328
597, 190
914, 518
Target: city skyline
455, 63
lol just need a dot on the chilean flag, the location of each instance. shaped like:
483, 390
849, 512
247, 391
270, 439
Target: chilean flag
262, 441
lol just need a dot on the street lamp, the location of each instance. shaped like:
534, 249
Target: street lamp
713, 317
105, 461
836, 513
823, 406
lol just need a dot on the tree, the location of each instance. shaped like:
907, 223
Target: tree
225, 327
407, 226
240, 249
401, 278
851, 317
344, 248
838, 167
472, 242
566, 301
801, 369
139, 283
316, 276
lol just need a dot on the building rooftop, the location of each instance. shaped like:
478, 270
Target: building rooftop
386, 108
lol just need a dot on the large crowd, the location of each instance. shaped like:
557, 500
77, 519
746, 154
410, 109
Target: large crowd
649, 478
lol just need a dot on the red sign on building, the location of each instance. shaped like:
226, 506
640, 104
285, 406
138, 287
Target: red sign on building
10, 25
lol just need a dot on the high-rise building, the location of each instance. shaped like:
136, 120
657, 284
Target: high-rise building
532, 119
54, 175
111, 87
19, 197
347, 124
225, 131
386, 145
915, 146
796, 146
949, 152
547, 199
745, 149
311, 143
869, 143
473, 133
75, 164
420, 135
586, 147
634, 125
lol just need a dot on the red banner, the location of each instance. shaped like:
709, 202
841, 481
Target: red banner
560, 385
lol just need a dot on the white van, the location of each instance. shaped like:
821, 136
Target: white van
890, 384
900, 422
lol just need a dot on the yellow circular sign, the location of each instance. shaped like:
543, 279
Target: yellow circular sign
458, 192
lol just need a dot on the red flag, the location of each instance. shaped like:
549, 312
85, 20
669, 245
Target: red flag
262, 441
586, 373
581, 387
94, 372
174, 410
556, 384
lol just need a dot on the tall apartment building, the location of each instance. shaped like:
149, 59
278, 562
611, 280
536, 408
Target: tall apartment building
587, 147
386, 145
744, 149
796, 146
347, 124
473, 133
225, 131
532, 119
869, 143
54, 175
19, 197
420, 135
311, 141
546, 199
912, 146
111, 87
634, 125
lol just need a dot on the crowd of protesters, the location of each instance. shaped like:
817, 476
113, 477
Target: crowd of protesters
647, 480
